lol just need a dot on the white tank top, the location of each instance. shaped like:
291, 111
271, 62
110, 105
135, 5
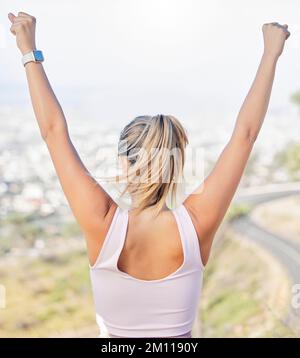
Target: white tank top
131, 307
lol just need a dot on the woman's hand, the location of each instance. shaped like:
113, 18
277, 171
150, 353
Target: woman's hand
23, 27
275, 36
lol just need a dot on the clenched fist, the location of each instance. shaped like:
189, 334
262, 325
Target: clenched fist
275, 36
23, 27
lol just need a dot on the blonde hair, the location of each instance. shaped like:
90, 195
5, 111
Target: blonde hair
155, 150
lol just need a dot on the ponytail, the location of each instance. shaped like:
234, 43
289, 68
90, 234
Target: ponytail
155, 149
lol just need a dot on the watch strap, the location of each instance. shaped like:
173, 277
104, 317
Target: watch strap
32, 56
28, 57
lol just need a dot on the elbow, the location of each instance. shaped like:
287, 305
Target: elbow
248, 135
52, 130
251, 135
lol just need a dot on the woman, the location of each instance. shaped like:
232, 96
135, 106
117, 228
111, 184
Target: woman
147, 262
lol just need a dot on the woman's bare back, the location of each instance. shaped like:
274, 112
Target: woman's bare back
152, 249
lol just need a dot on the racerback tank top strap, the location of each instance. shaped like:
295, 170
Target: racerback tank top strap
189, 237
113, 241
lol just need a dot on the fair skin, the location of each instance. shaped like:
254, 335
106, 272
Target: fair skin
152, 248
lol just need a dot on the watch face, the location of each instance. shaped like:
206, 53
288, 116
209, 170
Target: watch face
38, 55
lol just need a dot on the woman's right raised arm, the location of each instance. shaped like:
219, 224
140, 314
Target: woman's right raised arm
209, 203
91, 205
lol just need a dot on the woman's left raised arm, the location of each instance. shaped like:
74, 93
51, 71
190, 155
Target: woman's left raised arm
209, 203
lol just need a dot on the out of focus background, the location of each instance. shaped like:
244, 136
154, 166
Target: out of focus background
109, 61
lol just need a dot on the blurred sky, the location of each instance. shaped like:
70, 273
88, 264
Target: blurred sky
121, 58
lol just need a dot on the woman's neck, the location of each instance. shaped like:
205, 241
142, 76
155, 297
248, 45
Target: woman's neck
134, 207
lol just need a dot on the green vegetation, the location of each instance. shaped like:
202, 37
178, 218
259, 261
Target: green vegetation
231, 307
70, 229
295, 98
45, 300
22, 230
237, 210
16, 218
290, 160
